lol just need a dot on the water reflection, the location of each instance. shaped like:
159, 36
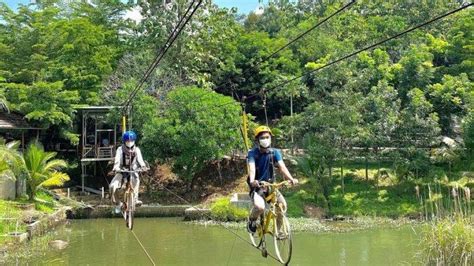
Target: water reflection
171, 242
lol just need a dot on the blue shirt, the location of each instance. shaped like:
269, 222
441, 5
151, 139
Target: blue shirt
263, 166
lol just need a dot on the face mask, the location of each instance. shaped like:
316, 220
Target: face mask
265, 143
130, 143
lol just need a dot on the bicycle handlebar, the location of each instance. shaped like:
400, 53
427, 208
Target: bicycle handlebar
131, 171
274, 185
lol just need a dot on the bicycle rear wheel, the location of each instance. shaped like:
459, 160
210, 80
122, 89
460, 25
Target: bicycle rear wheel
282, 239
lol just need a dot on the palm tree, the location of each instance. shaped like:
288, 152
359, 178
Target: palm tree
41, 167
10, 158
3, 103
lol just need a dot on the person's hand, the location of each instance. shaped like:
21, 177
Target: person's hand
255, 184
294, 181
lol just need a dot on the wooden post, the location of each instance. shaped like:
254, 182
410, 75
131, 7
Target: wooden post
23, 141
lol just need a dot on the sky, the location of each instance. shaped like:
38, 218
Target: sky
244, 6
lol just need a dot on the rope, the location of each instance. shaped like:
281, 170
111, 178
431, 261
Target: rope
143, 248
231, 251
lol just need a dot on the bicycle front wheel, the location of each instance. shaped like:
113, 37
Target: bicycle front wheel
130, 210
257, 237
282, 239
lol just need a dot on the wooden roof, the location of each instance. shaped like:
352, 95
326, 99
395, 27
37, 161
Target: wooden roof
14, 121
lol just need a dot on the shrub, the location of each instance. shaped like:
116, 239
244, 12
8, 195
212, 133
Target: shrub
222, 210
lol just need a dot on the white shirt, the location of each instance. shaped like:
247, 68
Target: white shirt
136, 163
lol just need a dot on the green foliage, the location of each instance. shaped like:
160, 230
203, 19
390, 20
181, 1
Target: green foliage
8, 209
192, 133
40, 167
222, 210
48, 104
448, 242
362, 199
57, 179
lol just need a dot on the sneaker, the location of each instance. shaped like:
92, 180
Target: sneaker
251, 226
118, 208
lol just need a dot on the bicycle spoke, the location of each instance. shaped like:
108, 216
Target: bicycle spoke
282, 240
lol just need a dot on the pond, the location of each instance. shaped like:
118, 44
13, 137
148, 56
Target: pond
170, 241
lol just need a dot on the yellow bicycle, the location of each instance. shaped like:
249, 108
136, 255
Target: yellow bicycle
273, 222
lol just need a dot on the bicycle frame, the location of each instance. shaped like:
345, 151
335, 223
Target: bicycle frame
271, 199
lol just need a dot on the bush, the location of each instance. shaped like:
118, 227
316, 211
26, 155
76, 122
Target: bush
222, 210
448, 242
191, 133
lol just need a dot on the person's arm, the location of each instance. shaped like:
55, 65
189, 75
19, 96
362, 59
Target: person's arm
118, 159
283, 169
251, 168
140, 160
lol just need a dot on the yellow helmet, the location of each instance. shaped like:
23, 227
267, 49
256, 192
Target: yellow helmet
261, 129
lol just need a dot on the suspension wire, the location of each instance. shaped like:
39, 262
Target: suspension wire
172, 37
210, 218
300, 36
143, 248
264, 96
376, 44
355, 53
296, 39
161, 51
231, 251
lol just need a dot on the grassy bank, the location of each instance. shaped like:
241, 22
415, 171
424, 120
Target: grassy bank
379, 194
358, 197
15, 214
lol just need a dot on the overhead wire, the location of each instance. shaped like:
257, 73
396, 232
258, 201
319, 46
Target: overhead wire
354, 53
297, 38
171, 38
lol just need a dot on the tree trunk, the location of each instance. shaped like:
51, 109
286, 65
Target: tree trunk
330, 172
366, 169
342, 177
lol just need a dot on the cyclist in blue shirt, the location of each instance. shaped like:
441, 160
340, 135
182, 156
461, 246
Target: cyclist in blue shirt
261, 161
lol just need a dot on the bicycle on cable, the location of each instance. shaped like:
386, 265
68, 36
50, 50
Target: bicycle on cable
273, 222
129, 202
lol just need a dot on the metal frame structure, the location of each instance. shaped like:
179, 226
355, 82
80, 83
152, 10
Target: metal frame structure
94, 147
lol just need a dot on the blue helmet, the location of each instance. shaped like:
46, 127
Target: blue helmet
129, 135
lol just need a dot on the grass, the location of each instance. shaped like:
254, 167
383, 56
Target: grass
10, 216
449, 241
381, 195
362, 198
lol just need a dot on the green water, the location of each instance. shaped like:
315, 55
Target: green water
172, 242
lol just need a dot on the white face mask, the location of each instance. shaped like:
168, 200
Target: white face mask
265, 143
130, 143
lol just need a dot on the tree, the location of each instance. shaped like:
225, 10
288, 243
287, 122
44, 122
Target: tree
49, 104
449, 99
192, 133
